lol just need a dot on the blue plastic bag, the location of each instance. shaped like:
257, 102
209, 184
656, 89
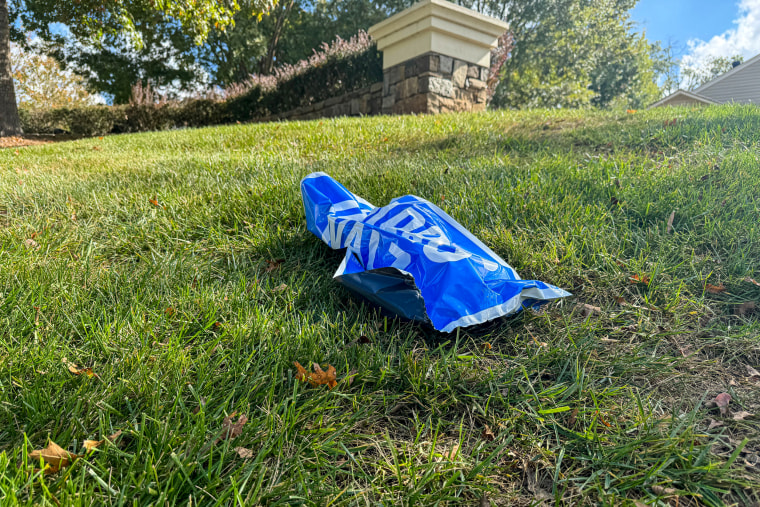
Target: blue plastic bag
413, 259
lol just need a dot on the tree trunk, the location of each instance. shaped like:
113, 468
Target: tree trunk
10, 123
266, 65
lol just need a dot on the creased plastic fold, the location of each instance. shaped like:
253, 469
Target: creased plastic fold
414, 260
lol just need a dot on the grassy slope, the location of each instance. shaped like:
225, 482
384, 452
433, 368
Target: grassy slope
174, 309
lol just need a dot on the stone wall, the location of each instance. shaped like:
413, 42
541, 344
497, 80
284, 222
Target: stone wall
428, 84
362, 102
433, 83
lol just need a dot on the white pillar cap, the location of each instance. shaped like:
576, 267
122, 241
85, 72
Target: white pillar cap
440, 27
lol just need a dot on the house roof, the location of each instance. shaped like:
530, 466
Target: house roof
683, 93
739, 68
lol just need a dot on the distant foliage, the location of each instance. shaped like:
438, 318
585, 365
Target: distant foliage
694, 75
336, 50
499, 56
41, 83
335, 69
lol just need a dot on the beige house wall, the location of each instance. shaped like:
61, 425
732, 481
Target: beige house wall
681, 100
742, 86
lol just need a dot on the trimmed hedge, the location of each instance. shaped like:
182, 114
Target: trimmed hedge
101, 120
338, 75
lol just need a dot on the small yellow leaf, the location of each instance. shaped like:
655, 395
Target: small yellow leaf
319, 377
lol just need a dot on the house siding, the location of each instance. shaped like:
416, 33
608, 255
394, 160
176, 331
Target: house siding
742, 87
681, 100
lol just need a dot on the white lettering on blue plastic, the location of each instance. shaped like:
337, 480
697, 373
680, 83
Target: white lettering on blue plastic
403, 259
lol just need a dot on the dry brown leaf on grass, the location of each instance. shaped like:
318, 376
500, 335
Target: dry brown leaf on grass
715, 289
721, 401
639, 279
76, 370
714, 424
94, 444
746, 308
319, 377
54, 456
670, 222
742, 415
663, 491
232, 429
573, 418
452, 453
272, 265
154, 201
587, 309
199, 407
752, 372
244, 453
488, 434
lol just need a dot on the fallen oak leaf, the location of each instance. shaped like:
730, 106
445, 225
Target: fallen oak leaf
54, 457
31, 244
76, 370
715, 289
154, 202
587, 309
350, 377
200, 406
722, 401
663, 491
231, 429
573, 417
89, 445
741, 415
272, 265
745, 308
319, 377
452, 454
640, 279
244, 453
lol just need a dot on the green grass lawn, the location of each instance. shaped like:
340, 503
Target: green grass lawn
177, 311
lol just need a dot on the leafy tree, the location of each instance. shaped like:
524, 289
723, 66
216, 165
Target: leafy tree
573, 53
694, 76
40, 82
92, 21
291, 33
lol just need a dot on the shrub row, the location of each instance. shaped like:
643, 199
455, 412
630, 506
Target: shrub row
101, 120
332, 77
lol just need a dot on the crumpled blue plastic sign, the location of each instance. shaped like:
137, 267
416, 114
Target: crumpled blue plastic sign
413, 259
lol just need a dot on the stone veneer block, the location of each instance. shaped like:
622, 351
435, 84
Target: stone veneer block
437, 26
446, 64
459, 75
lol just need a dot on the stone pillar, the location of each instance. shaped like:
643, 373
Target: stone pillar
436, 57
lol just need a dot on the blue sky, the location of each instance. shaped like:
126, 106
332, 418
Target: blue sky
678, 21
701, 29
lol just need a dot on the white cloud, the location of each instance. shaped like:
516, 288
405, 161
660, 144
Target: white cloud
743, 39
